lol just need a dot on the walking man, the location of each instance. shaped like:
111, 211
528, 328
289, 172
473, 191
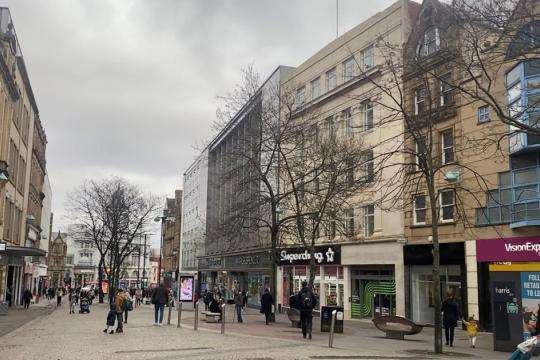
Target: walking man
306, 302
58, 296
238, 304
266, 305
27, 297
160, 297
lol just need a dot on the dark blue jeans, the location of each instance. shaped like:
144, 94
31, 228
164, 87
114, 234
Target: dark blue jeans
238, 312
158, 308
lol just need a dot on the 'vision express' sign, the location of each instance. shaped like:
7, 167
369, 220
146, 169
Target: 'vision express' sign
508, 249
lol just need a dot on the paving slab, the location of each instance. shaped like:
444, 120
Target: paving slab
60, 335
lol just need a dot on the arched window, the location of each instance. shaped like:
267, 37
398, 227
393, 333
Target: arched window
429, 43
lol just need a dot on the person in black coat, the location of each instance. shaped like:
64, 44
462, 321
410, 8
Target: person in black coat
451, 315
266, 305
306, 302
160, 298
27, 297
111, 317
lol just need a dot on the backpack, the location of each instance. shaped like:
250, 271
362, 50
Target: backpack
306, 300
127, 305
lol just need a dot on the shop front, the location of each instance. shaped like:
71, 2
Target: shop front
375, 279
249, 272
329, 283
419, 279
12, 272
514, 287
208, 270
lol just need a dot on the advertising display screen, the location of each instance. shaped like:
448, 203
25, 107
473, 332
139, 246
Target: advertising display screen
186, 288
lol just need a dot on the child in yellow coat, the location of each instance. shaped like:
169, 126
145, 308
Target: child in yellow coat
472, 330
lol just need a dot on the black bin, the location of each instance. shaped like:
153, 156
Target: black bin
326, 319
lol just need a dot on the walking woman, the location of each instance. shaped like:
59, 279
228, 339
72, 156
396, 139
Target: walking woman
451, 315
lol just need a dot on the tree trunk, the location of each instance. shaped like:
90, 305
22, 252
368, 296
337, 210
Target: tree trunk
100, 281
273, 268
312, 265
436, 268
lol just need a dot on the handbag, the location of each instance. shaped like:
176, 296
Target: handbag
528, 345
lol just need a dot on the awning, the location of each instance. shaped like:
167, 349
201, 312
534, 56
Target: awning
23, 251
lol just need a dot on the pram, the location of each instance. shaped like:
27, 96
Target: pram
84, 306
524, 350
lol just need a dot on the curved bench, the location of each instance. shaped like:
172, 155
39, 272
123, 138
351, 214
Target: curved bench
396, 327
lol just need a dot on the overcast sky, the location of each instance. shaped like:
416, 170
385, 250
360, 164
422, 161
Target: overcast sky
128, 87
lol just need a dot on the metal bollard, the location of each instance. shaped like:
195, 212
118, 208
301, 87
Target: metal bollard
179, 313
223, 318
196, 325
332, 325
169, 315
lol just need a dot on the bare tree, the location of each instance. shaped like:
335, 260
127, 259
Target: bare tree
112, 212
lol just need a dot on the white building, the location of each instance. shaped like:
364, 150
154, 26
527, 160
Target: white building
194, 213
84, 257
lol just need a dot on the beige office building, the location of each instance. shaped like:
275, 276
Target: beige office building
363, 271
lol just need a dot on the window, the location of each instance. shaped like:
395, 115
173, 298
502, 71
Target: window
419, 101
301, 96
483, 114
446, 200
419, 209
331, 229
447, 142
348, 120
447, 97
331, 132
331, 79
429, 43
348, 69
350, 173
420, 153
369, 220
349, 222
315, 88
367, 165
367, 115
367, 58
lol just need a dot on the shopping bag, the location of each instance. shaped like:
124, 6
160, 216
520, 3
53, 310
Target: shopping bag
528, 345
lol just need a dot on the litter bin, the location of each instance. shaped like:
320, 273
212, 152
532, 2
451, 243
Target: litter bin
326, 318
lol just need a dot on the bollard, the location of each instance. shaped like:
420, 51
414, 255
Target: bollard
169, 315
223, 318
179, 313
196, 325
332, 325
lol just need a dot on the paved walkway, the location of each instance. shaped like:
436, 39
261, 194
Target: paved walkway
18, 316
78, 336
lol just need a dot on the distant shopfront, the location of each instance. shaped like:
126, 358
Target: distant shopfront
419, 278
329, 281
513, 275
248, 272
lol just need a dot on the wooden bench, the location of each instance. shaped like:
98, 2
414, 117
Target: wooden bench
294, 317
396, 327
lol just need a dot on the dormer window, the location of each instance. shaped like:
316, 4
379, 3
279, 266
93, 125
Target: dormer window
429, 43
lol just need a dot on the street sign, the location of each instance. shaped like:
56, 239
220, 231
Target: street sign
2, 246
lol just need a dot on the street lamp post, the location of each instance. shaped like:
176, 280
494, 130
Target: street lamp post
162, 219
